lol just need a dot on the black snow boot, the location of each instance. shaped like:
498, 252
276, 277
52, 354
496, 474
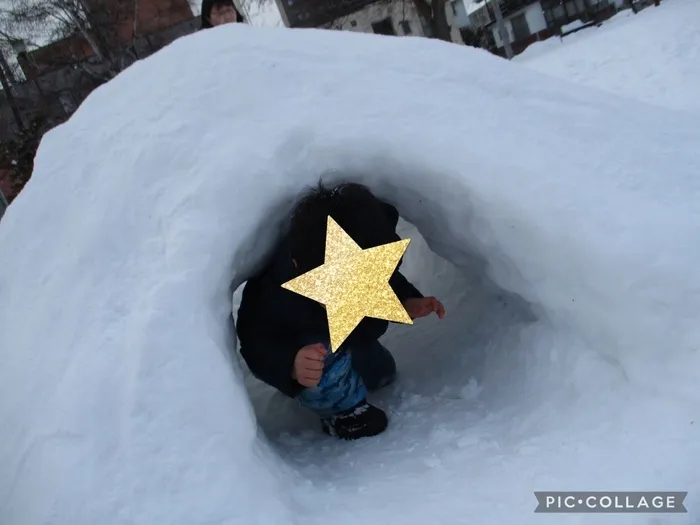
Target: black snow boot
362, 420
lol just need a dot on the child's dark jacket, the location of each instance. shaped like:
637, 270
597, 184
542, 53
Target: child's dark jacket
274, 324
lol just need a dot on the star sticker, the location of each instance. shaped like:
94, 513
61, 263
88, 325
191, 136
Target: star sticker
353, 283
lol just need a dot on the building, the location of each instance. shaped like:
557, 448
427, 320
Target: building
524, 22
116, 23
460, 20
317, 13
559, 13
384, 17
59, 76
398, 18
527, 21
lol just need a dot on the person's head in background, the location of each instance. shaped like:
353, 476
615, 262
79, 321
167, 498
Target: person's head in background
219, 12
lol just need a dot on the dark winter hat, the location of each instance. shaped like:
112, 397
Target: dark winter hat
353, 206
208, 5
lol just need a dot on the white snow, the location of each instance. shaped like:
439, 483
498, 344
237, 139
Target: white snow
568, 360
573, 25
653, 56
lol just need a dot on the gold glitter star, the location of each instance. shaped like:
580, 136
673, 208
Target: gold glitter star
353, 283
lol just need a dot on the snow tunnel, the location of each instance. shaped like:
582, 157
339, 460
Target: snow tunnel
569, 321
436, 360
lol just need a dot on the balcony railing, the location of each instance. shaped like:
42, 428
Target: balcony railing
484, 15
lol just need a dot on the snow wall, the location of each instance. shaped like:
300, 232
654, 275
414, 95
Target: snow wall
119, 399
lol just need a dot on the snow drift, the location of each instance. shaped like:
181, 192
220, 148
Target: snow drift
621, 57
121, 401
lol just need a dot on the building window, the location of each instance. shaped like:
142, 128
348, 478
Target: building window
561, 12
427, 29
353, 23
479, 18
520, 28
555, 16
384, 27
405, 27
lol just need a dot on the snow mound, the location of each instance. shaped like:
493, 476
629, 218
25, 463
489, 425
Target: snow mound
653, 56
121, 400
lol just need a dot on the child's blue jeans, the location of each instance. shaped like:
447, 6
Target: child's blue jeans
347, 376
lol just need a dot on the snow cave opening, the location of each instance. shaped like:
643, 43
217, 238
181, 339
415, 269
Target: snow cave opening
437, 360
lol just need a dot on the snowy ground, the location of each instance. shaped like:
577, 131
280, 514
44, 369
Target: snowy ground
653, 56
568, 361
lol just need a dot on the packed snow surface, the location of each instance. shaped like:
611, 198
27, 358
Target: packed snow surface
653, 55
559, 225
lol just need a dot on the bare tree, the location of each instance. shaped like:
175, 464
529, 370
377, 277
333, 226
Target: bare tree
91, 42
7, 87
102, 30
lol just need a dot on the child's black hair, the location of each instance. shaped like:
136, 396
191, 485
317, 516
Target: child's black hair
356, 210
208, 5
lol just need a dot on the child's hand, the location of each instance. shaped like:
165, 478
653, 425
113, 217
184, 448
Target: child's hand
421, 307
308, 365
